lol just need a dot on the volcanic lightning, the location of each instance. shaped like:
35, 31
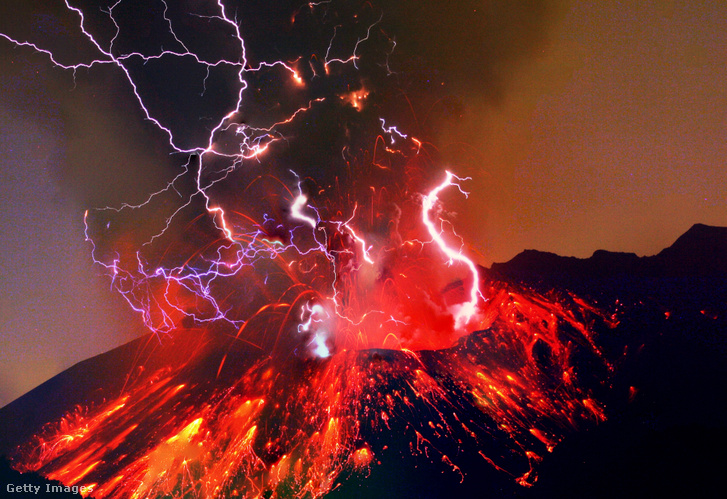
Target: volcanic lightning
467, 310
315, 272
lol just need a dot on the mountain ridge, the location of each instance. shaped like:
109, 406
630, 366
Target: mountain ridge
700, 252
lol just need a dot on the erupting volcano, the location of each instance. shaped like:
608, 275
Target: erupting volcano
313, 312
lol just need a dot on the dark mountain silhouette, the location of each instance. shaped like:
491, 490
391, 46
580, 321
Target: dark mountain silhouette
664, 439
702, 250
699, 252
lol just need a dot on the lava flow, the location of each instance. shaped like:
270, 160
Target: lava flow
309, 294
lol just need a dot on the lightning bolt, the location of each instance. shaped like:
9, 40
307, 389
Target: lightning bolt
466, 311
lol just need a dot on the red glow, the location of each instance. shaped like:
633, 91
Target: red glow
222, 442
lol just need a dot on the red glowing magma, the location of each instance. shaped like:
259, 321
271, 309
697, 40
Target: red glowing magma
361, 308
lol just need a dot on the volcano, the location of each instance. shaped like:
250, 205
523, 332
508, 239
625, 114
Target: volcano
318, 326
202, 413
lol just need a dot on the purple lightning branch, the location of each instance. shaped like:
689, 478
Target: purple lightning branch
153, 290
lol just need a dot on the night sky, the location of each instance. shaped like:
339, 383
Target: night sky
584, 125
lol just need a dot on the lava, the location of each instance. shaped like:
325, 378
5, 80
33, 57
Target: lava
329, 308
294, 426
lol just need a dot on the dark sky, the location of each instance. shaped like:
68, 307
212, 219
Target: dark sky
584, 125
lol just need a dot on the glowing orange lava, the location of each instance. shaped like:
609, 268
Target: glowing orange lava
289, 426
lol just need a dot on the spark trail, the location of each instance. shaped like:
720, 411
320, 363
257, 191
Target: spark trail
303, 241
